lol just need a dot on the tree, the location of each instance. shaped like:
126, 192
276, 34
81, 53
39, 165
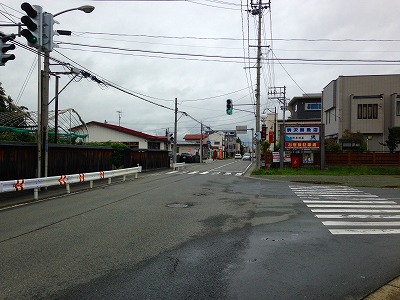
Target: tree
331, 145
356, 139
393, 139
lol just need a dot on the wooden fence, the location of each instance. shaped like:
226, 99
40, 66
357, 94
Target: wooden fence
147, 158
366, 159
19, 160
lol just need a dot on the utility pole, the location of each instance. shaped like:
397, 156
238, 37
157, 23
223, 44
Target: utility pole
175, 131
279, 93
201, 141
257, 9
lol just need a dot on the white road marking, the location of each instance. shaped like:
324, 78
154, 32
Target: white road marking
203, 173
377, 201
352, 206
365, 231
348, 208
356, 210
193, 172
358, 216
172, 172
346, 223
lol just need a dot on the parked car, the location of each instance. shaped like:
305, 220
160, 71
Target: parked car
238, 156
246, 156
186, 157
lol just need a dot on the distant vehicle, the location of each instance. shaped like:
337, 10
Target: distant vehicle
238, 156
246, 156
186, 157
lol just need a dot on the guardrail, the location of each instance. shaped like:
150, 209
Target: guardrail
176, 166
37, 183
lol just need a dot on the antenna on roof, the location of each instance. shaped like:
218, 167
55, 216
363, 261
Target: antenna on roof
119, 117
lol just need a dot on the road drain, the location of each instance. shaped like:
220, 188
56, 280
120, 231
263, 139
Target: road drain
178, 205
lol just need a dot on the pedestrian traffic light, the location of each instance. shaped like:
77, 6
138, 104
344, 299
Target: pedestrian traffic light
33, 22
229, 107
47, 32
4, 56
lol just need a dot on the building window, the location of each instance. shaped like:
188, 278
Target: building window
313, 106
153, 145
217, 143
397, 108
367, 111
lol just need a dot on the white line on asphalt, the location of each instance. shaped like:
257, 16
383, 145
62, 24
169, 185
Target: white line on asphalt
203, 173
352, 206
238, 174
227, 173
356, 210
193, 172
346, 223
358, 216
172, 172
347, 195
364, 231
377, 201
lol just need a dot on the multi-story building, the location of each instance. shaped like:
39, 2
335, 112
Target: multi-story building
369, 104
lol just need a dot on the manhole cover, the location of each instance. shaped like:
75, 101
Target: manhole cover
178, 205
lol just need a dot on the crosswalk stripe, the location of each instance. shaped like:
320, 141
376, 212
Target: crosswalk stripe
172, 172
193, 172
352, 206
341, 216
355, 210
348, 202
349, 211
203, 173
346, 223
364, 231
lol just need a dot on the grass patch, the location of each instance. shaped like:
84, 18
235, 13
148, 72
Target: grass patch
336, 171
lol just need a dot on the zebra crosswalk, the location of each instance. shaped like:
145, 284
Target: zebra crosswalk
212, 173
347, 210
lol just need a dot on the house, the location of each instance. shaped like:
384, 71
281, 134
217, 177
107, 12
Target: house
104, 132
230, 145
305, 110
212, 141
369, 104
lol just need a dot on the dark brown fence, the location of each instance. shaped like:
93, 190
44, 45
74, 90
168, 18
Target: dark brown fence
19, 160
368, 159
147, 158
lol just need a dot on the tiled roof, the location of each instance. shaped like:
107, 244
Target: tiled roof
192, 137
129, 131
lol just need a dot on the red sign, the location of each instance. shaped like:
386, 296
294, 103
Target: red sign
271, 136
302, 145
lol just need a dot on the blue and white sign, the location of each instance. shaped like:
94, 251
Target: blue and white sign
301, 137
302, 129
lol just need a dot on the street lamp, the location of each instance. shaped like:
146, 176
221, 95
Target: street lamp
43, 110
85, 8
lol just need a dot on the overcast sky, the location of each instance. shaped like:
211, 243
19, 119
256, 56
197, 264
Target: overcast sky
202, 52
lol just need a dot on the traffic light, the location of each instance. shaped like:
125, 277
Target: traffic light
33, 22
263, 132
229, 107
47, 32
4, 57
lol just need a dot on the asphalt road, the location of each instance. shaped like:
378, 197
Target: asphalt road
202, 233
